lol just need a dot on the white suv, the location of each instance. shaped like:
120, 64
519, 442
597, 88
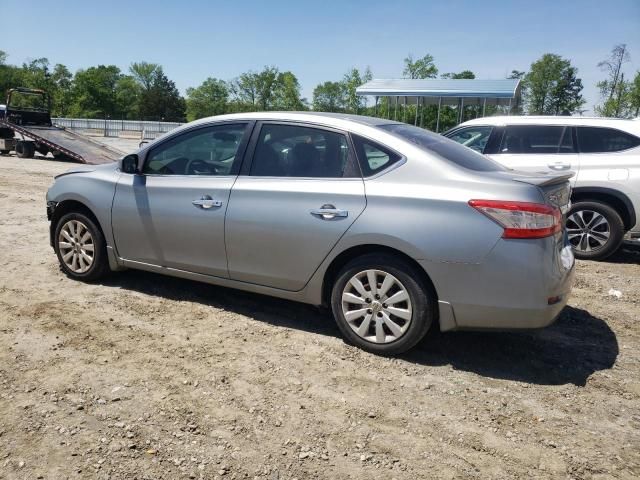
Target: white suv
604, 153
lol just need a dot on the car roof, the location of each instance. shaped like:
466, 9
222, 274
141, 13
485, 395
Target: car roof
324, 118
619, 123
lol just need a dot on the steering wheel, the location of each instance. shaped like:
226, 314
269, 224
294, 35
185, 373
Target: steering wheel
200, 167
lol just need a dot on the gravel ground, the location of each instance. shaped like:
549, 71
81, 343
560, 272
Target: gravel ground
149, 377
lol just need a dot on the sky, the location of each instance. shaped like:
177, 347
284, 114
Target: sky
321, 40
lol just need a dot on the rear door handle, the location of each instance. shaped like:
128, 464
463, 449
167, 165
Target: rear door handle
329, 212
206, 202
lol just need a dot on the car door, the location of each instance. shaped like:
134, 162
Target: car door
290, 206
537, 148
172, 214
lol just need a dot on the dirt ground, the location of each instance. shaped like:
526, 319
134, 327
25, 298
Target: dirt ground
149, 377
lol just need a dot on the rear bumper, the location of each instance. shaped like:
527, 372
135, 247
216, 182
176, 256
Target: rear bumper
521, 284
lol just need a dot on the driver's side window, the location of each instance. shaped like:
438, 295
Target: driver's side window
206, 151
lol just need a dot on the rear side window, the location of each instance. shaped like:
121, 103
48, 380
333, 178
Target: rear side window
373, 157
602, 140
475, 138
300, 151
535, 139
444, 148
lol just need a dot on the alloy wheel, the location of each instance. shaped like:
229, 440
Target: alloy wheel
377, 306
76, 246
588, 230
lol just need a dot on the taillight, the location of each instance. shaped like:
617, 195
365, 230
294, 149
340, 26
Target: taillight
521, 219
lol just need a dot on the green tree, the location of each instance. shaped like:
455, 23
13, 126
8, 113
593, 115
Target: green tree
144, 73
3, 57
244, 90
465, 74
553, 87
634, 95
127, 97
329, 97
210, 98
614, 90
62, 94
350, 82
95, 92
287, 93
421, 68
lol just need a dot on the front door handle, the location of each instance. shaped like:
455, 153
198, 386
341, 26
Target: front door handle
559, 166
206, 202
329, 212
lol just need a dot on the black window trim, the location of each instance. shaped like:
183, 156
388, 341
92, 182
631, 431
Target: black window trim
577, 143
245, 169
237, 163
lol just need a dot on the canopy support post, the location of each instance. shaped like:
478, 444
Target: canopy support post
395, 111
460, 110
438, 116
509, 111
415, 122
375, 108
484, 107
422, 112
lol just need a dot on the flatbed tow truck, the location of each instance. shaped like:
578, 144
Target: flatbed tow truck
26, 128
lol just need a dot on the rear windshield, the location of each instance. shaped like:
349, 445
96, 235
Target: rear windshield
443, 147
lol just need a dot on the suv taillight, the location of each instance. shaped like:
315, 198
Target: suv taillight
521, 219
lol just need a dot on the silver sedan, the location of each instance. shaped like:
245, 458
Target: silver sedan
395, 228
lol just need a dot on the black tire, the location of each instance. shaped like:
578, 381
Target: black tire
421, 295
25, 149
615, 229
4, 152
100, 265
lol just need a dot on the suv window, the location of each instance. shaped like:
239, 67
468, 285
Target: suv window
205, 151
300, 151
600, 140
533, 139
443, 147
475, 137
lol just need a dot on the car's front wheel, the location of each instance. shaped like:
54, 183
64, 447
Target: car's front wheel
382, 304
595, 230
80, 247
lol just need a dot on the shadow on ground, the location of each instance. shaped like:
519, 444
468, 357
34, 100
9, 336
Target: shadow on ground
569, 351
628, 253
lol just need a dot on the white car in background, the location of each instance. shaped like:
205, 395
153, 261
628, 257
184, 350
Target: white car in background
604, 153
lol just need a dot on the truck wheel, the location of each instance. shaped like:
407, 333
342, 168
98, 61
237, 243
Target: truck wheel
4, 152
595, 230
25, 149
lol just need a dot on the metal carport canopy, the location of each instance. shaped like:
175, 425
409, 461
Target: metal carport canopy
494, 92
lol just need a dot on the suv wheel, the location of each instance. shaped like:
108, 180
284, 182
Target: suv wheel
382, 304
80, 247
595, 230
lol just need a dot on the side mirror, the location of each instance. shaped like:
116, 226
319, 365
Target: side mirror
129, 164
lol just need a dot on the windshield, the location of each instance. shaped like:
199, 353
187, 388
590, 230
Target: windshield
34, 101
443, 147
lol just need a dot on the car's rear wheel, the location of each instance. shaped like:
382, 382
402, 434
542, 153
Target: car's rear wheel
80, 247
382, 304
595, 230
